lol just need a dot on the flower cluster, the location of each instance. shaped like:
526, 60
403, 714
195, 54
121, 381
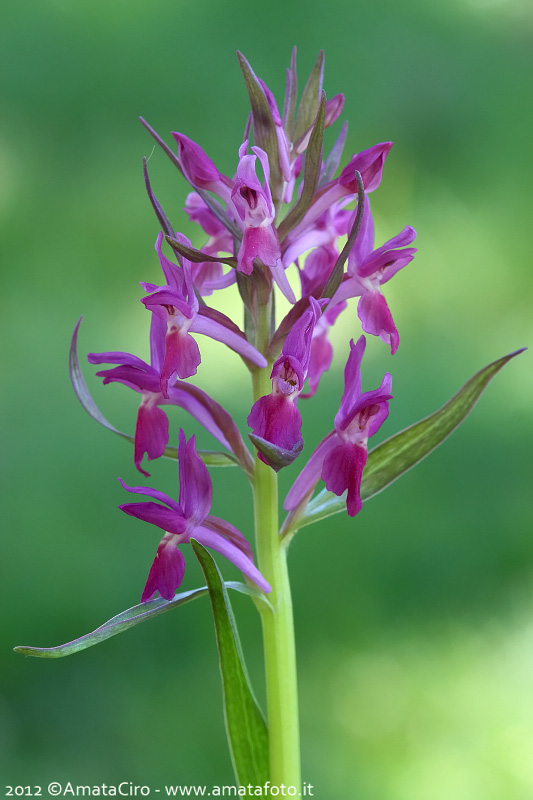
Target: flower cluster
280, 221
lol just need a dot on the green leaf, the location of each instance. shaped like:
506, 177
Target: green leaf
127, 619
313, 162
245, 724
212, 458
397, 455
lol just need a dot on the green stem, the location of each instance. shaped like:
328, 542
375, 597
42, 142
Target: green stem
278, 625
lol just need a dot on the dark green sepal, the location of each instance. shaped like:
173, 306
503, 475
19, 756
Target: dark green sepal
277, 457
196, 256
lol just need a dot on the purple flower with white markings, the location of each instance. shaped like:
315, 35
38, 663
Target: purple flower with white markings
255, 212
275, 417
341, 456
369, 163
177, 305
151, 431
368, 270
188, 518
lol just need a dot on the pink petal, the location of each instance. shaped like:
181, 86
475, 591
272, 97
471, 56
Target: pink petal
261, 242
343, 469
167, 571
151, 434
376, 318
162, 517
276, 418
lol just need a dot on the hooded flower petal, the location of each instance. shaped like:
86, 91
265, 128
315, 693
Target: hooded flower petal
198, 168
275, 417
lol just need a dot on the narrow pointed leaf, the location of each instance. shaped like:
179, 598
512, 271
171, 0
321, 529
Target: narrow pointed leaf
335, 278
196, 256
217, 458
398, 454
310, 99
313, 162
127, 619
264, 127
245, 724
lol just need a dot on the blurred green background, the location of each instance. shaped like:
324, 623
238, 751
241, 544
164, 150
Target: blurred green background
415, 620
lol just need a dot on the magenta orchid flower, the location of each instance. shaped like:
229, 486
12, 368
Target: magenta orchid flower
188, 518
369, 163
341, 456
368, 270
255, 210
275, 417
177, 305
151, 430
